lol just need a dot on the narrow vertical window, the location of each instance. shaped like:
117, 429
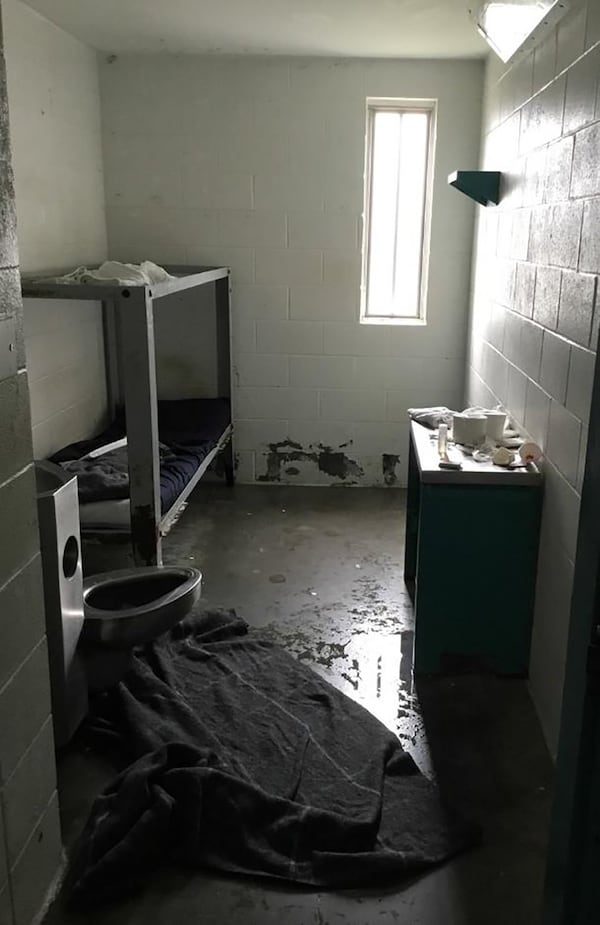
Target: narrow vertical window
398, 179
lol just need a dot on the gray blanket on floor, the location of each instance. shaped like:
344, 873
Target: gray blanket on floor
244, 759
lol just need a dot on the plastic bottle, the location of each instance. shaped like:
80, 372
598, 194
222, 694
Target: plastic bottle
443, 440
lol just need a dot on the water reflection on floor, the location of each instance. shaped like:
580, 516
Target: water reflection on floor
366, 657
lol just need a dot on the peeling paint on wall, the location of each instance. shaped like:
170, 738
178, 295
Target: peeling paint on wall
339, 465
389, 462
326, 459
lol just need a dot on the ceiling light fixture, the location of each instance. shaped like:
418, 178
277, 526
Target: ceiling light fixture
513, 26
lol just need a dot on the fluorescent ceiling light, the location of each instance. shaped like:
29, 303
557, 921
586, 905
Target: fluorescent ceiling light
507, 25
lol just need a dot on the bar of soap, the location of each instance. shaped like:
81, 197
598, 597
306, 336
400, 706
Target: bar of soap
502, 457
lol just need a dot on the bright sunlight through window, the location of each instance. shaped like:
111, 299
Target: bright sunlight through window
399, 159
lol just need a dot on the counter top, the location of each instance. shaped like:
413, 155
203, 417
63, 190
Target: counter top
472, 472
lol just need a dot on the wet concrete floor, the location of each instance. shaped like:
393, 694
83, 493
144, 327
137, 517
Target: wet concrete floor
320, 571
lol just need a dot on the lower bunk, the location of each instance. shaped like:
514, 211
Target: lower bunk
192, 434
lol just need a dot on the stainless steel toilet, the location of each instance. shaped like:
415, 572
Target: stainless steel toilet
132, 606
127, 608
115, 611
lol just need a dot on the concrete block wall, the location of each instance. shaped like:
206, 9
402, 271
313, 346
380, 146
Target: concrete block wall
257, 163
57, 155
186, 367
64, 343
534, 326
30, 842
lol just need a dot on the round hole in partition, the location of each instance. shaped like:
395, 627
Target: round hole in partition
70, 558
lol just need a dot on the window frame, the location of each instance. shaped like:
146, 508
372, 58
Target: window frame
400, 105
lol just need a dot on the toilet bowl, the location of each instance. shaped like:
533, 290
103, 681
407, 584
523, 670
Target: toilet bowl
92, 626
130, 607
127, 608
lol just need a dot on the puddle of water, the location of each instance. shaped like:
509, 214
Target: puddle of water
369, 658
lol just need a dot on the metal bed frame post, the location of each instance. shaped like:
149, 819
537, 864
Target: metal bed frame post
114, 395
138, 370
223, 313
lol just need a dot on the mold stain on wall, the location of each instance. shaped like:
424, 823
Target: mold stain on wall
280, 459
389, 463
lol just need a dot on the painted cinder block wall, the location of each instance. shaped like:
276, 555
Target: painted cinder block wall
534, 326
257, 163
30, 843
57, 154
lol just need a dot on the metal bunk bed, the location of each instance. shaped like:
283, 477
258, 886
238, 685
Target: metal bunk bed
131, 383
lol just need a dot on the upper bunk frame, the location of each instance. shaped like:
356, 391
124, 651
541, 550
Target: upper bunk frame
130, 357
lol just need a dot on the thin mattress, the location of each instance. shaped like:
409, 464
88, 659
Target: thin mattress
189, 428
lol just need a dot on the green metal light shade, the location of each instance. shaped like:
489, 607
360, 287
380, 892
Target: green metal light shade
481, 185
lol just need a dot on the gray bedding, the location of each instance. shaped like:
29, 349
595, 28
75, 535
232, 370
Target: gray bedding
106, 477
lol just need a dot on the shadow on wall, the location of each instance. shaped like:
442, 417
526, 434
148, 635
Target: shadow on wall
288, 460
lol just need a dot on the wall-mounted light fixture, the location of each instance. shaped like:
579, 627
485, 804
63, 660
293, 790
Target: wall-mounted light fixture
481, 185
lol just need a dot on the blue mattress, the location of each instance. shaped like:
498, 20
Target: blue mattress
189, 428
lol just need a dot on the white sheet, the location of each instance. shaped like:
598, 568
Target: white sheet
122, 274
106, 514
107, 448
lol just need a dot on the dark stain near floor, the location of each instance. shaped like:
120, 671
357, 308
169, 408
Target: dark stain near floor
280, 455
389, 462
327, 652
327, 460
339, 465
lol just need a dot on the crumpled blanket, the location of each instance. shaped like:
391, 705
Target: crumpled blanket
106, 477
245, 760
113, 271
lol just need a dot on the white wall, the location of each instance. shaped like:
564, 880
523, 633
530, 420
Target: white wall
186, 365
535, 311
55, 126
257, 163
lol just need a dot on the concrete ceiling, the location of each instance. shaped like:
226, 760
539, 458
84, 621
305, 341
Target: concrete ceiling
365, 28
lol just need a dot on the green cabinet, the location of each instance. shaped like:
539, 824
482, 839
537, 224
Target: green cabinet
471, 557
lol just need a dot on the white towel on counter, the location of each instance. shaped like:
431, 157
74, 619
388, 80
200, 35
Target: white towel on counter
431, 417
